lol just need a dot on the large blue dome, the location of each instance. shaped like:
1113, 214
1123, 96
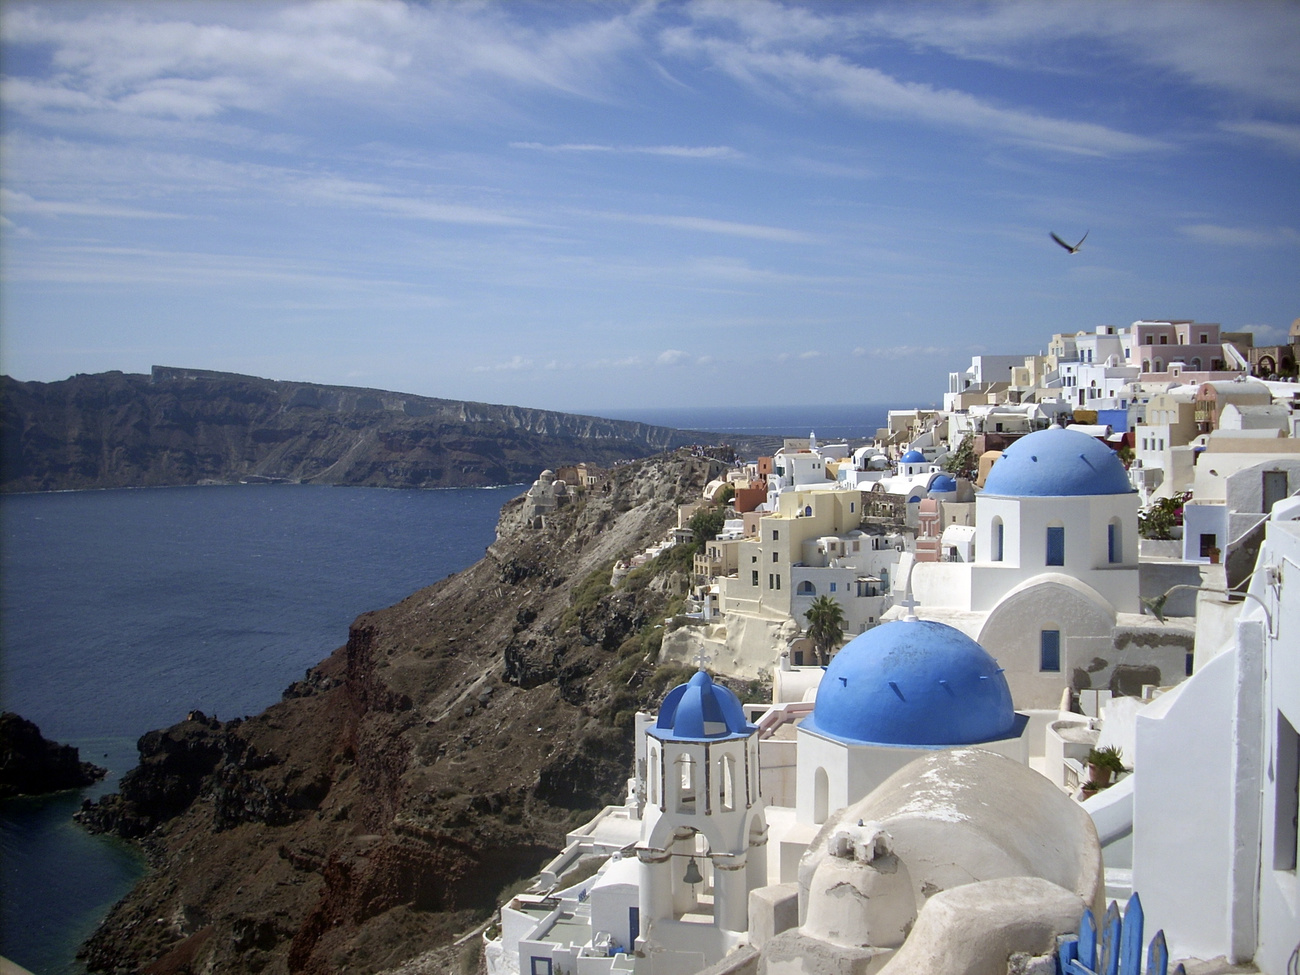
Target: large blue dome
701, 710
914, 682
1057, 463
912, 457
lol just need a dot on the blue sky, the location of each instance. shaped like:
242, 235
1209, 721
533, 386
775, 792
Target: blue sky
589, 206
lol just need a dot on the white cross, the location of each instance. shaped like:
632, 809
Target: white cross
701, 658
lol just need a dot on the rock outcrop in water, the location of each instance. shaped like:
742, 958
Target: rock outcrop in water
30, 765
192, 426
377, 812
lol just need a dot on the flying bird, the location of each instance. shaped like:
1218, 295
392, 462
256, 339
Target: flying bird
1075, 248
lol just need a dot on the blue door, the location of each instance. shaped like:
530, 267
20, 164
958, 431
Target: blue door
633, 927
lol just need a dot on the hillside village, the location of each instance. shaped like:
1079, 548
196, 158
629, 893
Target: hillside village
1063, 616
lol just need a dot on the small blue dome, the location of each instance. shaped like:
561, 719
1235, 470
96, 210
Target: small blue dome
912, 457
914, 682
701, 710
942, 484
1057, 463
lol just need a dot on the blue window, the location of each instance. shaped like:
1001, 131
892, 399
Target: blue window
1056, 545
1049, 655
1113, 553
832, 587
999, 539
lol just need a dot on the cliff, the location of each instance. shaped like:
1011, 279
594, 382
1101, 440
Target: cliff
30, 765
380, 808
191, 426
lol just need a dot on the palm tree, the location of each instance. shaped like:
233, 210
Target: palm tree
825, 626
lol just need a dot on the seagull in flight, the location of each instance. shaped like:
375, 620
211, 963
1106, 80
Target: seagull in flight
1075, 248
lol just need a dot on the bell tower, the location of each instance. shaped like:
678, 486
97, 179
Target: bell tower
703, 843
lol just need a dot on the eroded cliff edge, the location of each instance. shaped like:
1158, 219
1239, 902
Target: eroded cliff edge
379, 809
191, 426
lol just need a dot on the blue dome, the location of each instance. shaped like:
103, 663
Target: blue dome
912, 457
701, 710
942, 484
1057, 463
914, 682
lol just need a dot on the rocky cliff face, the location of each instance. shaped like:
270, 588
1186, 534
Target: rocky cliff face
379, 809
187, 426
31, 766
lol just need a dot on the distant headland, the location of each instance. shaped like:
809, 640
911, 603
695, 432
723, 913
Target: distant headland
195, 426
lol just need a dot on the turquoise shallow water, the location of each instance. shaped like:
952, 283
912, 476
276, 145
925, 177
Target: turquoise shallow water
122, 610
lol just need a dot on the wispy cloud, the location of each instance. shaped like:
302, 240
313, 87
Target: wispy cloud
12, 201
513, 364
679, 152
767, 56
1280, 134
1209, 233
709, 225
672, 357
895, 352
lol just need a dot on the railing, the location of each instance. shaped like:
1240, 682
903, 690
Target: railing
1119, 950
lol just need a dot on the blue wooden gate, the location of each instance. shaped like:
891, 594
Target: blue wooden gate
1118, 951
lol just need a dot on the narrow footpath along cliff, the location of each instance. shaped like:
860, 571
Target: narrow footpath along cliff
380, 808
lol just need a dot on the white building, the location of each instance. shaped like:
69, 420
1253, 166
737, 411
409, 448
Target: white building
1053, 591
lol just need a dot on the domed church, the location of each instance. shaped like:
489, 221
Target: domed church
891, 694
1055, 575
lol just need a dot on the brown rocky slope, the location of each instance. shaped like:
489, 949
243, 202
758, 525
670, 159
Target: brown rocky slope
379, 809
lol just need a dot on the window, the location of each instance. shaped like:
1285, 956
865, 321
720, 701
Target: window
1114, 553
1049, 652
686, 784
771, 581
1151, 340
754, 578
999, 539
1204, 339
807, 511
778, 581
806, 588
775, 557
832, 587
1164, 340
1055, 545
775, 535
1209, 540
540, 966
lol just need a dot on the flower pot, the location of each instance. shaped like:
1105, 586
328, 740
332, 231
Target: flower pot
1099, 774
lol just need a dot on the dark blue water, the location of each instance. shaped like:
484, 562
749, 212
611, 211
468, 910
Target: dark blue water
120, 611
831, 423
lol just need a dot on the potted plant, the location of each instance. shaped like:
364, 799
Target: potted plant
1103, 763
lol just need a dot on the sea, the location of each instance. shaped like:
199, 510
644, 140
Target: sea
123, 610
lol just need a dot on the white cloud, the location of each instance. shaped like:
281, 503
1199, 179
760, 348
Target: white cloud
1209, 233
763, 58
672, 357
1244, 48
902, 352
514, 364
172, 62
15, 202
728, 228
680, 152
1284, 136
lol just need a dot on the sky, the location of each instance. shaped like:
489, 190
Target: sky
599, 206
